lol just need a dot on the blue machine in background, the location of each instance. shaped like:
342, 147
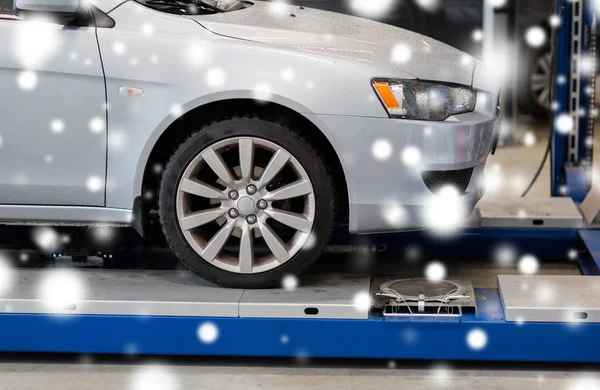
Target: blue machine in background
575, 85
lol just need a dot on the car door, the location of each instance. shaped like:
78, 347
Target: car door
53, 135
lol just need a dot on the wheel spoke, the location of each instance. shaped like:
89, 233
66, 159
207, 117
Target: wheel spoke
194, 187
545, 64
246, 250
294, 220
200, 218
543, 96
246, 146
216, 163
292, 190
278, 161
274, 243
216, 244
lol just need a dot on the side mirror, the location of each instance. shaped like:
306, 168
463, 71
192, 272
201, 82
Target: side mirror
54, 7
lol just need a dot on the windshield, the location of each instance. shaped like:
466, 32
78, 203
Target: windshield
193, 7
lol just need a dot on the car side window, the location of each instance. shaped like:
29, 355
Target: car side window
7, 7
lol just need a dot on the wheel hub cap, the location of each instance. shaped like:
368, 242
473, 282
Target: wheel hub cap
246, 205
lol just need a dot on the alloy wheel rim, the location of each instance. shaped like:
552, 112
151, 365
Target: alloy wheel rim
540, 80
245, 205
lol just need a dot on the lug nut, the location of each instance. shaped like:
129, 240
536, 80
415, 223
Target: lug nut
262, 204
251, 189
233, 194
233, 213
251, 219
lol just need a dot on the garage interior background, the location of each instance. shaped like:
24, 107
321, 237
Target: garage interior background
509, 172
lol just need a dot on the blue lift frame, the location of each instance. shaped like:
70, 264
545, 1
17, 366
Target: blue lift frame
375, 337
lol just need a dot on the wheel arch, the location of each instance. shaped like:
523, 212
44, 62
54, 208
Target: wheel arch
175, 133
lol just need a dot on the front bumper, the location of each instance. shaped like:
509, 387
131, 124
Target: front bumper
379, 179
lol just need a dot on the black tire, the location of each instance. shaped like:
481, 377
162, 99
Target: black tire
324, 191
527, 98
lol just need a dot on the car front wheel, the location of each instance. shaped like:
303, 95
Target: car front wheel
246, 201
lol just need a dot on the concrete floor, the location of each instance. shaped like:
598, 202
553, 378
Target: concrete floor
510, 171
83, 373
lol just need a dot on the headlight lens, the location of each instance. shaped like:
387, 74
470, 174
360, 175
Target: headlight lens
413, 99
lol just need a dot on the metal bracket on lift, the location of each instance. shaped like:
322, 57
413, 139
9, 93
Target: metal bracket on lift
429, 302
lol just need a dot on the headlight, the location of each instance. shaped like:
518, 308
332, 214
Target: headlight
412, 99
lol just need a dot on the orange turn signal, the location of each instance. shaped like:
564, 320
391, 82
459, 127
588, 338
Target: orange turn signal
386, 95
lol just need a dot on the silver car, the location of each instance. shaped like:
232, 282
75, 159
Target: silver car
245, 129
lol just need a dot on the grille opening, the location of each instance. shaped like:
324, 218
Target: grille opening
460, 179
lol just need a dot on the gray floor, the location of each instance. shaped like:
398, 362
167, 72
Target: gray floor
513, 167
89, 372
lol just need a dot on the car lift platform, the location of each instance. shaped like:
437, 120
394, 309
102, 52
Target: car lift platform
176, 313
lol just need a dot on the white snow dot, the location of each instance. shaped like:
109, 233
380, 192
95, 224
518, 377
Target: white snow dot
103, 234
73, 56
467, 61
289, 282
6, 276
262, 91
429, 5
584, 384
572, 254
45, 238
208, 332
435, 271
96, 125
1, 140
278, 7
153, 377
117, 140
154, 58
157, 168
561, 79
60, 288
133, 61
24, 257
288, 75
444, 211
395, 215
48, 158
564, 123
284, 339
177, 110
147, 29
505, 255
411, 156
362, 301
477, 339
371, 8
535, 36
529, 139
94, 184
215, 77
528, 265
381, 149
497, 3
57, 126
401, 53
554, 20
477, 35
309, 85
27, 80
119, 48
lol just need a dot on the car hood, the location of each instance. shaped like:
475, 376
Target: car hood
345, 37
